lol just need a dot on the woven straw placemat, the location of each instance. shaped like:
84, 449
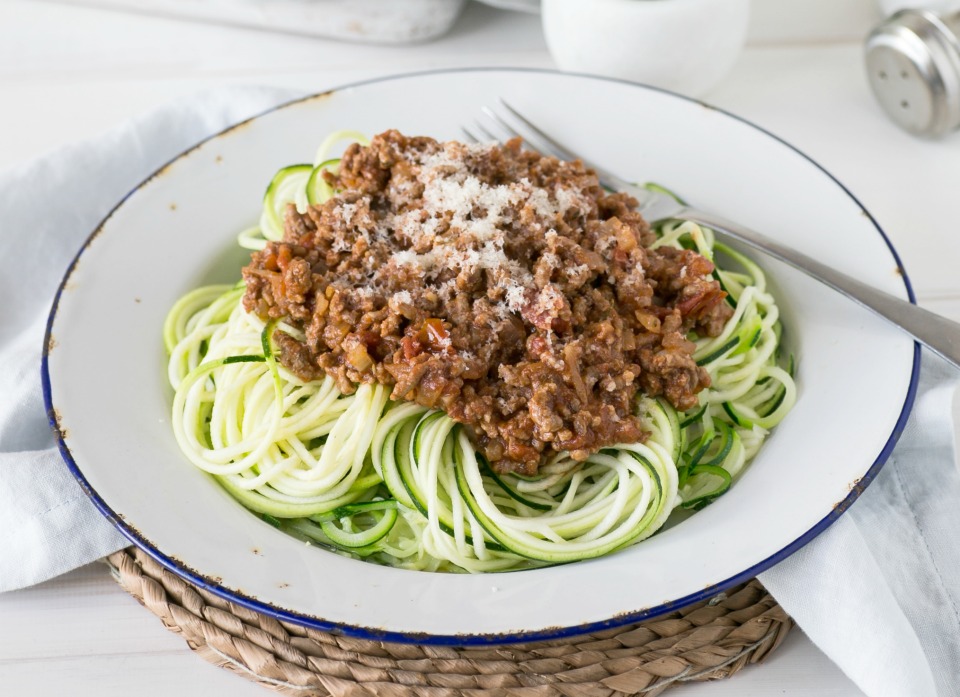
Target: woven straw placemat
705, 641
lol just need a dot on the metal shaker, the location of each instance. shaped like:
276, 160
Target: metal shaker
913, 65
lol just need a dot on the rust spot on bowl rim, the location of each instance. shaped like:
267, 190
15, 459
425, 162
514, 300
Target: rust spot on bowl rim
58, 421
319, 97
163, 170
856, 488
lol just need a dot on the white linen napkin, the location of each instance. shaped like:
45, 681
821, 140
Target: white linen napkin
48, 208
879, 591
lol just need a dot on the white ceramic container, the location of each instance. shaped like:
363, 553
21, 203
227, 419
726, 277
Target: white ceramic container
687, 46
367, 21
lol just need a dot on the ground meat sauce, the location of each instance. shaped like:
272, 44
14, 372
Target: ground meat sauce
505, 288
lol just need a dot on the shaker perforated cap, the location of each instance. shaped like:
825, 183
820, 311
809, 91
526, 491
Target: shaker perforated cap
913, 64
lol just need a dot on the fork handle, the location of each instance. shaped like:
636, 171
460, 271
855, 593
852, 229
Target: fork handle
939, 334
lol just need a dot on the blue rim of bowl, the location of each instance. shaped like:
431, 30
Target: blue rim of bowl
375, 634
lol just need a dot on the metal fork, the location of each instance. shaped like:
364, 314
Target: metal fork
939, 334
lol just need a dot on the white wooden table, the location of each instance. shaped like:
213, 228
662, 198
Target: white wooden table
68, 72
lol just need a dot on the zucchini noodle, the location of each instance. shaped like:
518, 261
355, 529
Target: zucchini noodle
396, 483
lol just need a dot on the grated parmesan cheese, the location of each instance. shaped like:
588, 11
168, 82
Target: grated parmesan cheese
515, 296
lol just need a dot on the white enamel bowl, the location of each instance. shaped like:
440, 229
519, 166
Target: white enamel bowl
104, 376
